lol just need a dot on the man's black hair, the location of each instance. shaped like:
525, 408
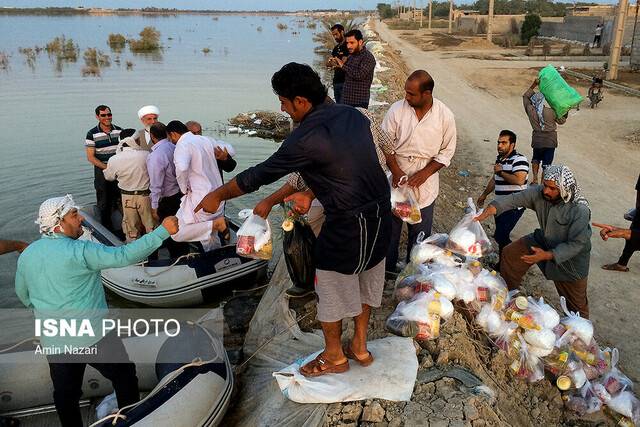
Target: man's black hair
512, 136
158, 130
125, 133
101, 108
177, 126
354, 33
299, 80
338, 27
425, 80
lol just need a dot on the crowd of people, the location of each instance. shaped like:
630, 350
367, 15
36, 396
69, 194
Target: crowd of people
341, 164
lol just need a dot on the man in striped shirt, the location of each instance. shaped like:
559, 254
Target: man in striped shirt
101, 144
510, 176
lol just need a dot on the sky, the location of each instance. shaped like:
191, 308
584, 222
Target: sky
203, 4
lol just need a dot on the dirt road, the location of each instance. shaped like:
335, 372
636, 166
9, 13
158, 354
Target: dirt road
485, 96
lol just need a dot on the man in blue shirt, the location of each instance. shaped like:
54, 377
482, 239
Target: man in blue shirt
59, 272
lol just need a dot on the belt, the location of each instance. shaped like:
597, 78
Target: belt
135, 192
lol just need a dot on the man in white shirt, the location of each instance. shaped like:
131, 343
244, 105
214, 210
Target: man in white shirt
223, 150
148, 115
424, 132
129, 167
197, 175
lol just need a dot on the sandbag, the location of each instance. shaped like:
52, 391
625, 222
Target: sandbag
560, 96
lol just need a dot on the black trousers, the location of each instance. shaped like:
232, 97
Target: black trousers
107, 198
168, 206
630, 246
67, 373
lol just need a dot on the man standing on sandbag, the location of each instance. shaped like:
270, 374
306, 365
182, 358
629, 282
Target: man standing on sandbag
544, 123
355, 194
561, 246
424, 133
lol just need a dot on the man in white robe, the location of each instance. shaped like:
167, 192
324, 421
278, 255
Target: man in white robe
197, 175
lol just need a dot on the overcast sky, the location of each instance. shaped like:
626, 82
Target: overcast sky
220, 4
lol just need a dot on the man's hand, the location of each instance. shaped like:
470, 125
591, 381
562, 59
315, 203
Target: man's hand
263, 208
338, 63
21, 246
497, 168
154, 215
221, 153
301, 202
537, 256
535, 83
398, 177
610, 231
480, 201
418, 178
210, 203
171, 224
489, 211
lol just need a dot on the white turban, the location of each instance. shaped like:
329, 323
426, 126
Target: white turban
148, 109
52, 211
131, 141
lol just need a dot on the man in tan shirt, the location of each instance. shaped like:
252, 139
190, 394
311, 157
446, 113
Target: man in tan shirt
424, 132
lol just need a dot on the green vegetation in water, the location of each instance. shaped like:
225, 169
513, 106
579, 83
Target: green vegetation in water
63, 49
94, 60
259, 29
30, 55
312, 25
149, 41
282, 26
116, 41
129, 65
206, 50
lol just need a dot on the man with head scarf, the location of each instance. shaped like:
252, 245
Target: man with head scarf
561, 246
60, 273
543, 120
148, 115
129, 168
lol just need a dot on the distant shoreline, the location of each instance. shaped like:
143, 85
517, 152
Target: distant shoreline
69, 11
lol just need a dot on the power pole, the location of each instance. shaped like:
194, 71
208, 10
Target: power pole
618, 34
451, 15
421, 13
490, 21
430, 4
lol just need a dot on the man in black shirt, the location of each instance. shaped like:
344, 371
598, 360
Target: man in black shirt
355, 193
340, 51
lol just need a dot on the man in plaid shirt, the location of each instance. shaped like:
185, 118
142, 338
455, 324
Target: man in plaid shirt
358, 68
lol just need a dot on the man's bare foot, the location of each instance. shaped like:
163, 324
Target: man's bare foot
615, 267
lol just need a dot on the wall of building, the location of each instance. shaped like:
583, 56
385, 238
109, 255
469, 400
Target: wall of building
582, 28
501, 23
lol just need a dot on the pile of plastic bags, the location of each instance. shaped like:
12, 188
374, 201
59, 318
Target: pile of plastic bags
539, 342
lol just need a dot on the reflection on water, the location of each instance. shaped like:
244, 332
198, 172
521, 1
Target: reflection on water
46, 111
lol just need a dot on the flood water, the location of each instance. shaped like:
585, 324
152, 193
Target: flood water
46, 109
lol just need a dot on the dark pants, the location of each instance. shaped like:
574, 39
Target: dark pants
168, 206
630, 246
67, 378
596, 40
337, 92
505, 222
107, 198
513, 269
414, 230
543, 155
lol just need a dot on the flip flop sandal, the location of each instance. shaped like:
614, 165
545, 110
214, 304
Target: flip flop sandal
346, 349
319, 366
615, 267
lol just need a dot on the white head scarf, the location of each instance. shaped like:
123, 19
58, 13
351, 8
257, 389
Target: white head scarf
52, 211
566, 182
148, 109
131, 141
537, 99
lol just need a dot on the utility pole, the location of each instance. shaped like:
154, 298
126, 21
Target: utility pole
618, 34
451, 15
421, 13
430, 4
490, 21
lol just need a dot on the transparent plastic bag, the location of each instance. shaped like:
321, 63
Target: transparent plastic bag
489, 319
419, 317
527, 365
576, 326
254, 237
424, 251
546, 315
409, 286
614, 380
446, 259
468, 238
404, 204
627, 404
489, 284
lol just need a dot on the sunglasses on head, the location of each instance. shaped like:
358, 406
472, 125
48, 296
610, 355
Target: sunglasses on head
106, 115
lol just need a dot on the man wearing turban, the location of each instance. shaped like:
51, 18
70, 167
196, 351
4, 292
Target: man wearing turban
148, 115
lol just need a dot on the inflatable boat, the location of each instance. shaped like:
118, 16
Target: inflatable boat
177, 282
190, 382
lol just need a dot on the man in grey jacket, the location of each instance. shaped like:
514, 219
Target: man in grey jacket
561, 246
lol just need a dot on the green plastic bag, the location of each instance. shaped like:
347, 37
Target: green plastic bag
560, 96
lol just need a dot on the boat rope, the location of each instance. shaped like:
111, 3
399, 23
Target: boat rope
170, 377
4, 350
239, 367
157, 273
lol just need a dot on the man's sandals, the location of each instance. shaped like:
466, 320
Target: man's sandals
615, 267
320, 366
